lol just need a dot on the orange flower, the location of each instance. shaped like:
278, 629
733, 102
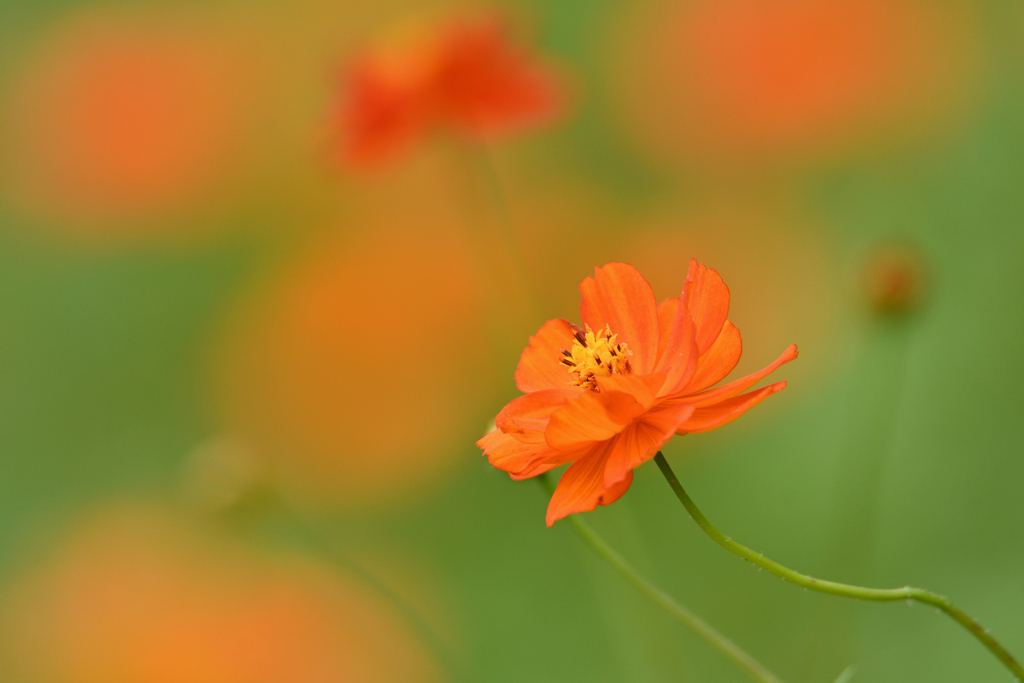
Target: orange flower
608, 396
466, 77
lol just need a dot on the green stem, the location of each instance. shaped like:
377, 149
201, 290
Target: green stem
498, 200
507, 234
499, 257
845, 590
665, 601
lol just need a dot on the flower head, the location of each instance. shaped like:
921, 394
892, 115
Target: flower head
466, 77
606, 397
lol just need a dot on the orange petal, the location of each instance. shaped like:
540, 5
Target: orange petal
712, 396
613, 493
708, 302
540, 366
589, 418
582, 489
381, 116
550, 461
711, 417
526, 417
515, 457
486, 86
718, 361
557, 458
643, 388
680, 356
667, 310
538, 467
641, 440
620, 297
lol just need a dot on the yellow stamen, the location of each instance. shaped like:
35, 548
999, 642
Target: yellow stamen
596, 354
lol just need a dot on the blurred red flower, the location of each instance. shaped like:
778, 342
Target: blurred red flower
607, 397
466, 76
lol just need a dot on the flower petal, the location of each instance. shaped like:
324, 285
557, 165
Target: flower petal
680, 355
613, 493
515, 457
711, 417
381, 117
644, 388
641, 440
540, 366
618, 296
581, 487
708, 302
487, 86
589, 418
667, 310
526, 417
551, 460
712, 396
718, 361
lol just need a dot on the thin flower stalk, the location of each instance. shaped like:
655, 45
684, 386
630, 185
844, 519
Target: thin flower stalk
663, 600
842, 589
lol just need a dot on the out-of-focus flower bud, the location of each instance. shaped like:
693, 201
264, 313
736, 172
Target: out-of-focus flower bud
895, 278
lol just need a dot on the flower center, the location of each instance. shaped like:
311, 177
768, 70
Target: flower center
596, 354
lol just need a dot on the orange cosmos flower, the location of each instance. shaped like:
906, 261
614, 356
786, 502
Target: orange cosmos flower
608, 396
466, 77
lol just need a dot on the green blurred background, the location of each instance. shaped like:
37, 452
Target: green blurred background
240, 385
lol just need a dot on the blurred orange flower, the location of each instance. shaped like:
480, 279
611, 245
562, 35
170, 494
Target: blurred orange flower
288, 388
608, 396
728, 80
465, 76
137, 596
120, 123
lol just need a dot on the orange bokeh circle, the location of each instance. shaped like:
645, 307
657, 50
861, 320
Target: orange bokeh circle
745, 78
349, 373
136, 597
117, 123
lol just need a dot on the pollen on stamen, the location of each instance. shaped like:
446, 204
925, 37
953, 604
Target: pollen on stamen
596, 355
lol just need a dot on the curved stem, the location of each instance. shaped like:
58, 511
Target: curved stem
845, 590
665, 601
